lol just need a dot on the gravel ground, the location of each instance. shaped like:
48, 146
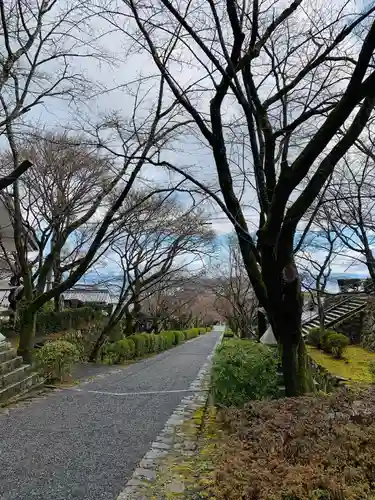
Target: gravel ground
78, 444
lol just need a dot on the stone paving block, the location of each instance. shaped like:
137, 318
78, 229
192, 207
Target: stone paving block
147, 474
161, 445
155, 454
147, 463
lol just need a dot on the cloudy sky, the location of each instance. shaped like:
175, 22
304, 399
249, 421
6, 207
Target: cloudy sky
115, 78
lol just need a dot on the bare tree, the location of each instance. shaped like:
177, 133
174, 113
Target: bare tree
352, 202
317, 255
159, 237
40, 42
65, 181
181, 300
147, 136
282, 80
235, 298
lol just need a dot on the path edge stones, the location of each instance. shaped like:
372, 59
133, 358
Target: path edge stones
172, 437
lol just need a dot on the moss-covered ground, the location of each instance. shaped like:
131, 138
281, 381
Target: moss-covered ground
354, 366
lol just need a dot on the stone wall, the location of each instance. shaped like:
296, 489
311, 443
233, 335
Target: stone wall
368, 327
324, 380
352, 327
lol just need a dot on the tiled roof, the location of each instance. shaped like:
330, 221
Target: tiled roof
88, 295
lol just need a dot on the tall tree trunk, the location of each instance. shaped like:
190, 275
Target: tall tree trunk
27, 318
321, 314
370, 261
285, 304
100, 341
288, 328
57, 279
128, 329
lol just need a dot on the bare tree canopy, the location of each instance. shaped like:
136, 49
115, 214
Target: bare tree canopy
155, 236
287, 88
235, 298
87, 193
41, 41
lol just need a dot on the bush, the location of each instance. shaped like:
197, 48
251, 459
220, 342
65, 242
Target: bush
55, 359
191, 333
76, 338
176, 335
228, 333
169, 339
179, 337
315, 337
336, 343
243, 370
154, 342
141, 343
118, 352
70, 319
297, 448
324, 338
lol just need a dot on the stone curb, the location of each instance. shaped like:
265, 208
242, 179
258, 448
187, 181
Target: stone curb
172, 437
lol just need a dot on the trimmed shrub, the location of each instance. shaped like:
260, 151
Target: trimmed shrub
191, 333
154, 342
315, 337
139, 339
118, 352
179, 337
243, 370
228, 333
55, 359
148, 342
169, 339
336, 343
325, 336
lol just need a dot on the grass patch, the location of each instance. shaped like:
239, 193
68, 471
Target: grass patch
354, 366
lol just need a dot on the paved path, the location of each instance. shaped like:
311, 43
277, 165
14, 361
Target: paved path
84, 444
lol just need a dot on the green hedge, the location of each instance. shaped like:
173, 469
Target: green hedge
191, 333
70, 319
179, 337
140, 341
141, 344
242, 371
120, 351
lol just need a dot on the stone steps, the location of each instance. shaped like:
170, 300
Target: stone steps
10, 364
8, 354
336, 313
16, 375
20, 388
16, 379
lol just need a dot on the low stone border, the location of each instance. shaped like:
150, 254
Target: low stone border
324, 380
180, 434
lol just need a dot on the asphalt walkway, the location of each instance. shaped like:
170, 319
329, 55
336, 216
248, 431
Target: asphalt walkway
83, 443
